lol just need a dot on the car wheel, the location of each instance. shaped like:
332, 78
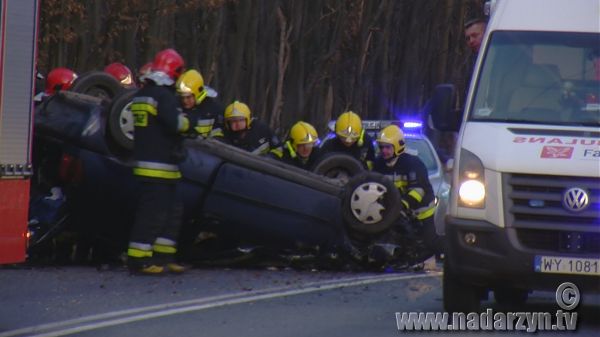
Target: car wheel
459, 296
510, 296
338, 166
120, 120
98, 84
371, 203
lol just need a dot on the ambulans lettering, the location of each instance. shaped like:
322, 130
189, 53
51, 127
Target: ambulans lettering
556, 141
589, 142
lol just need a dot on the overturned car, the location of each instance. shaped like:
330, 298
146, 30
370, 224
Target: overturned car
236, 203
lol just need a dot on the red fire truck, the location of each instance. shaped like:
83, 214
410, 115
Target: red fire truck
18, 50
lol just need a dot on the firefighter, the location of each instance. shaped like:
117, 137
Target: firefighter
195, 101
244, 132
59, 79
410, 176
157, 152
350, 138
122, 73
299, 150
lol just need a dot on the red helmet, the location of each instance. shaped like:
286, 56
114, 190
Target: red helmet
121, 73
169, 62
59, 78
145, 69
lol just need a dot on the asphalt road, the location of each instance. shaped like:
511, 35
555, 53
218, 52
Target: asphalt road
82, 301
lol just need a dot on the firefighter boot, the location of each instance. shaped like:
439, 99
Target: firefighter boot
144, 266
164, 251
175, 268
168, 262
140, 260
152, 270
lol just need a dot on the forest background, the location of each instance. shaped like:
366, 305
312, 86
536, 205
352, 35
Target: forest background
289, 60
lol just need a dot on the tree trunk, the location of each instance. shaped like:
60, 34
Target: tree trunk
288, 59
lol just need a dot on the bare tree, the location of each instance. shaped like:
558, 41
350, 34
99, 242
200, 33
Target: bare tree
288, 59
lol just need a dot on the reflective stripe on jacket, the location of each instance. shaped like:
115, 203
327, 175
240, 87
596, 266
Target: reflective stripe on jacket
411, 178
158, 127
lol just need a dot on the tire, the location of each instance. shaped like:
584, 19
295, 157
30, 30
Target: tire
370, 203
511, 297
98, 84
120, 120
338, 166
459, 296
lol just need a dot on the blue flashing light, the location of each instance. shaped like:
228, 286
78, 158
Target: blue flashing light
413, 125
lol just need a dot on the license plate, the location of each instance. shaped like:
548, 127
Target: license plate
566, 265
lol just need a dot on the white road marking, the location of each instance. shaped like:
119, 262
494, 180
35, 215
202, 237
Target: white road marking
118, 317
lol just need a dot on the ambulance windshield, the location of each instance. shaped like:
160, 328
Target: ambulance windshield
540, 78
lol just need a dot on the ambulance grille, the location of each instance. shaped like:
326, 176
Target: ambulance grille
534, 208
536, 201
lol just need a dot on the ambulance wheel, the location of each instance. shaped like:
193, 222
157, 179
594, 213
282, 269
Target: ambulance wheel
511, 296
458, 295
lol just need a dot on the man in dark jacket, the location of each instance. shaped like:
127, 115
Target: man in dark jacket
244, 132
410, 176
350, 138
195, 102
157, 152
299, 150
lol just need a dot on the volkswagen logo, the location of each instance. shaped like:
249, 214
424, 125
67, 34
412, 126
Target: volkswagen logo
575, 199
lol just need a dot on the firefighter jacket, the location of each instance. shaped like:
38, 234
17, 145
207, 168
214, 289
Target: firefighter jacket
411, 178
363, 149
258, 139
158, 144
209, 117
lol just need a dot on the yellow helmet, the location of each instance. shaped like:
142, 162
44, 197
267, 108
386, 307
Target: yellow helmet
392, 135
303, 133
238, 109
191, 82
348, 126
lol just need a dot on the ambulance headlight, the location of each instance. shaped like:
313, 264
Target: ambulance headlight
471, 180
472, 193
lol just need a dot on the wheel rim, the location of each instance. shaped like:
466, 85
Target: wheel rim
126, 121
340, 174
365, 202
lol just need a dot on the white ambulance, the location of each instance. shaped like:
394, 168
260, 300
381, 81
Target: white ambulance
524, 209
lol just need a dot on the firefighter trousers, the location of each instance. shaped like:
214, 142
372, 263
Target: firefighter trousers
159, 212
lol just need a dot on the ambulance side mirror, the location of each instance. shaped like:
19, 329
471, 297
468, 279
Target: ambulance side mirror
443, 113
